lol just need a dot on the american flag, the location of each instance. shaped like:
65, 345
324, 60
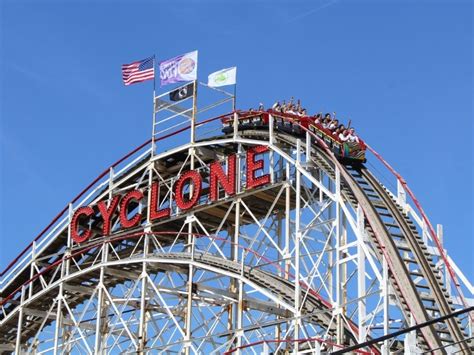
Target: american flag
139, 71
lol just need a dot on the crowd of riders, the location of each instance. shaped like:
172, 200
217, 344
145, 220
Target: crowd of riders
328, 122
345, 134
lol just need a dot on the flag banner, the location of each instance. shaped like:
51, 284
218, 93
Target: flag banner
182, 93
180, 68
223, 77
139, 71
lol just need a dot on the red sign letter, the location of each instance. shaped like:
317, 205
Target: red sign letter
107, 213
254, 165
124, 220
86, 233
196, 179
155, 213
217, 175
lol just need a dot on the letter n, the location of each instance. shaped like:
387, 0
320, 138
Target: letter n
218, 177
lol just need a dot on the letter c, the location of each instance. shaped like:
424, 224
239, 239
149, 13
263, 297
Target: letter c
86, 233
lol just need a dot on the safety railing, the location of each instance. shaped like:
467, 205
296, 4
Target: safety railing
61, 220
162, 143
204, 129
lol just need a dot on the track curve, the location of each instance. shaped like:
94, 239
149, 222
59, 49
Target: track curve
390, 231
362, 188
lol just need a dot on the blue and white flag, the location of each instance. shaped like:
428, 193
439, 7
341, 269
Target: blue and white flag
180, 68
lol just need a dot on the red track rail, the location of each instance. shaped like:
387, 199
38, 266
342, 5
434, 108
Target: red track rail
96, 180
319, 340
138, 234
433, 234
321, 142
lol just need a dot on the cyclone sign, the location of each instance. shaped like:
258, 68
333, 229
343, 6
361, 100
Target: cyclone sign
119, 205
180, 68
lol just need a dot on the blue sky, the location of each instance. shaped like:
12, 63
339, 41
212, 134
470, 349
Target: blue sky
402, 71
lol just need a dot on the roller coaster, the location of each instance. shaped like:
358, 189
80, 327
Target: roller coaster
254, 240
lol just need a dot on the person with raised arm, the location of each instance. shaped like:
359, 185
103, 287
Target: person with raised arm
344, 136
333, 125
327, 120
318, 118
352, 136
276, 106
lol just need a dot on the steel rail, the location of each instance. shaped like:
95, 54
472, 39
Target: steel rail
427, 270
368, 209
406, 330
140, 233
302, 340
96, 180
406, 288
393, 258
433, 234
352, 326
388, 249
274, 282
75, 199
391, 254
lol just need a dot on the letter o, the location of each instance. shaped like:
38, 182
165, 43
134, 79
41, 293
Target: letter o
195, 178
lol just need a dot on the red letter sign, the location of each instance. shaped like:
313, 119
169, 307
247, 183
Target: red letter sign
155, 213
83, 211
124, 221
254, 165
107, 213
196, 179
217, 175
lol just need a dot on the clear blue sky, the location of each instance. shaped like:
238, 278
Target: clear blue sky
401, 70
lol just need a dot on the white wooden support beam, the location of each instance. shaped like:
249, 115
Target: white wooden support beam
308, 148
361, 287
297, 234
20, 322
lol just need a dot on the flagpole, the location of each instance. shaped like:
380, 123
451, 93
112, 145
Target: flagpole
235, 97
154, 81
154, 95
193, 117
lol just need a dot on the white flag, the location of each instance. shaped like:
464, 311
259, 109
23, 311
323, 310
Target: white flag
223, 77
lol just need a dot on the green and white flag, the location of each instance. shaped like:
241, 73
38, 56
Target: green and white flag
222, 77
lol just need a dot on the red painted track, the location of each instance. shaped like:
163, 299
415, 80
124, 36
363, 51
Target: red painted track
321, 142
97, 179
433, 234
138, 234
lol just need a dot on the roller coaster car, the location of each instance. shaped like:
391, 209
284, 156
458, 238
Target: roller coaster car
350, 152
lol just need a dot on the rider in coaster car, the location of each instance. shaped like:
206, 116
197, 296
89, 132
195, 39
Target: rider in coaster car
344, 136
338, 130
352, 136
333, 124
318, 118
327, 120
276, 106
290, 109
